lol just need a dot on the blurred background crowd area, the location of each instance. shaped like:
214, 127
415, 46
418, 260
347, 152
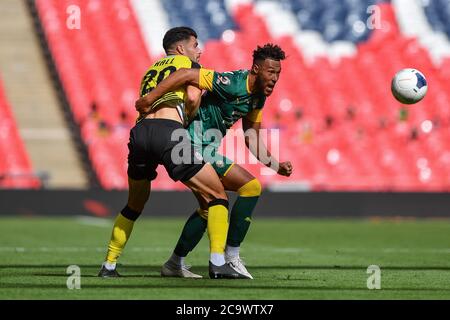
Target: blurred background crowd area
71, 69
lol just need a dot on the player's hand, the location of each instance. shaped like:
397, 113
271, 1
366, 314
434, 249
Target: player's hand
285, 169
142, 106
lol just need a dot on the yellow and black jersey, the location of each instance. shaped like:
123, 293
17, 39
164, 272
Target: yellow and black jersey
161, 70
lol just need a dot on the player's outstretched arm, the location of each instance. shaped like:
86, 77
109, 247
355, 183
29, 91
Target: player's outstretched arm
258, 148
176, 80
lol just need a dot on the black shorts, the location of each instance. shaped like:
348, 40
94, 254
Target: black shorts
151, 144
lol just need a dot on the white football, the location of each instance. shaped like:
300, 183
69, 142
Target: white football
409, 86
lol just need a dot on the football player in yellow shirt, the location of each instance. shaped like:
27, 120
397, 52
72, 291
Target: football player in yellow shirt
151, 144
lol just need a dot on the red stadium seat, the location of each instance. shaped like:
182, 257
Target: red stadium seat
364, 147
101, 64
15, 166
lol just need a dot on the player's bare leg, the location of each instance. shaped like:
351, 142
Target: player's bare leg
207, 185
208, 190
138, 194
234, 179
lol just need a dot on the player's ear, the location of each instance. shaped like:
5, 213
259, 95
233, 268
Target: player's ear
255, 68
180, 49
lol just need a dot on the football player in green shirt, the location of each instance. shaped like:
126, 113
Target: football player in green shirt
231, 96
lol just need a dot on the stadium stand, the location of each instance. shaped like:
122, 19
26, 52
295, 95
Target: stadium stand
33, 98
338, 122
98, 66
15, 167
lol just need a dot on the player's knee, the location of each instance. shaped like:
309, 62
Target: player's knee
220, 195
250, 189
218, 202
215, 194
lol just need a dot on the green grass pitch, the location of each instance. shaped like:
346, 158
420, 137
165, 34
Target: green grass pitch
289, 259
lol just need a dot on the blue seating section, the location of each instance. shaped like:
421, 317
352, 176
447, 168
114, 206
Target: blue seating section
438, 14
335, 20
209, 18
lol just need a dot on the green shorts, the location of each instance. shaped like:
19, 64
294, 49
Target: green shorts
222, 166
209, 150
220, 163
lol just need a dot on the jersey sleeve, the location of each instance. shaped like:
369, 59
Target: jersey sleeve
224, 84
206, 78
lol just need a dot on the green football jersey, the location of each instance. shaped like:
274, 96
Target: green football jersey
227, 100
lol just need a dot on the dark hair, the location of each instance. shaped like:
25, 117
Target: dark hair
177, 34
268, 51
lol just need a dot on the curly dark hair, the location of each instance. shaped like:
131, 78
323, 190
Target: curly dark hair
177, 34
268, 51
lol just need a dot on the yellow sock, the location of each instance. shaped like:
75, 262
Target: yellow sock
119, 237
218, 225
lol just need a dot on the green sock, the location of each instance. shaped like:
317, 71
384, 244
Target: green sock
240, 219
192, 234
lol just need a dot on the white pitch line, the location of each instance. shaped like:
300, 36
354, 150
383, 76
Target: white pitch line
250, 249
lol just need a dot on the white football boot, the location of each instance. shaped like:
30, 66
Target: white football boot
237, 264
169, 269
